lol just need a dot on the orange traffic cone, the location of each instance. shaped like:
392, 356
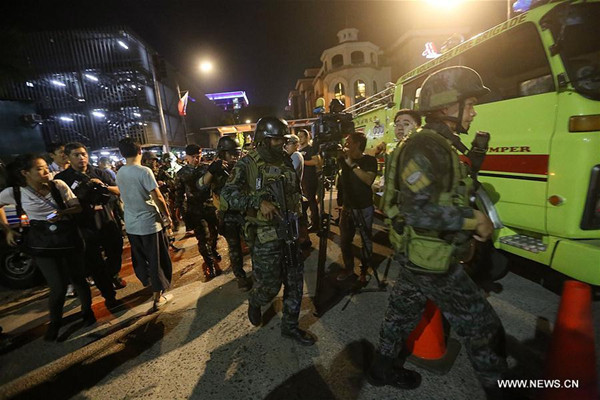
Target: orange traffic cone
571, 361
427, 343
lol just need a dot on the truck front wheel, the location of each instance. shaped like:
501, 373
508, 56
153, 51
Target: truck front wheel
18, 270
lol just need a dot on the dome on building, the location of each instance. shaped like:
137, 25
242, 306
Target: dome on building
348, 35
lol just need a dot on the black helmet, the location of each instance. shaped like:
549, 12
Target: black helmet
448, 86
148, 156
270, 127
228, 143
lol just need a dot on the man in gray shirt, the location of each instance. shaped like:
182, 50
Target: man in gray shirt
146, 218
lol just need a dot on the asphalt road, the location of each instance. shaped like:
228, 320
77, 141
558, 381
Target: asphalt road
201, 345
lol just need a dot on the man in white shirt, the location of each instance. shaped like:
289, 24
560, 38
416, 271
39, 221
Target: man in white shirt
291, 148
146, 219
60, 162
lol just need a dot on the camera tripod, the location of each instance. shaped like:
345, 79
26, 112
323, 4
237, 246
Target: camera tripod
330, 172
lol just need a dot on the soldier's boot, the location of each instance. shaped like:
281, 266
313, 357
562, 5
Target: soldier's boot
244, 283
305, 338
364, 271
217, 269
245, 248
381, 373
254, 314
208, 271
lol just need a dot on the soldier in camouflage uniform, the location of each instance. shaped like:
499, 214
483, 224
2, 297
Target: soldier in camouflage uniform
250, 190
166, 183
231, 222
430, 205
199, 213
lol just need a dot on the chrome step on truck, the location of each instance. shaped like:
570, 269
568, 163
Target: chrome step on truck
524, 242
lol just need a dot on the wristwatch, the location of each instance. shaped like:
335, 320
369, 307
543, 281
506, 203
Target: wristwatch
354, 166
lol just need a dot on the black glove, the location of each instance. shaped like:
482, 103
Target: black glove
479, 147
481, 141
216, 168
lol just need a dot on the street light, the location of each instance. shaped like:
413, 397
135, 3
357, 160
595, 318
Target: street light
206, 66
444, 4
248, 121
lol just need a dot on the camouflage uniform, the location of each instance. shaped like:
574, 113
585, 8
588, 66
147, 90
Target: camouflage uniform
199, 213
424, 173
167, 188
231, 226
245, 194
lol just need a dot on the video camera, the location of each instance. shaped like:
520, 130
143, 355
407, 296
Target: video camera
93, 193
328, 132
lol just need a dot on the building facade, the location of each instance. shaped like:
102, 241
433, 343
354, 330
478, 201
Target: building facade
98, 86
351, 71
354, 70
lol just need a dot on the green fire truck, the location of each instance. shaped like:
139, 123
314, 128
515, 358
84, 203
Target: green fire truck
543, 113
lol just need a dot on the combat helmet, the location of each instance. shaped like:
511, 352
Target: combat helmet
228, 143
448, 86
270, 127
148, 156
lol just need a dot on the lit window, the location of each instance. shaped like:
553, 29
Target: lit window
360, 91
339, 92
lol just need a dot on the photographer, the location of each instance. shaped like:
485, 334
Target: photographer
94, 187
358, 172
52, 237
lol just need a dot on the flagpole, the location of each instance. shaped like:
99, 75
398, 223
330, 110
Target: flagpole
182, 116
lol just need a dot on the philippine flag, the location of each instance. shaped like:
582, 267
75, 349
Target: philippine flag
182, 105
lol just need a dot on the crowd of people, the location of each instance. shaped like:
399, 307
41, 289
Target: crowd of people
267, 201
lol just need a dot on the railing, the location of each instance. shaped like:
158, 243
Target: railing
382, 98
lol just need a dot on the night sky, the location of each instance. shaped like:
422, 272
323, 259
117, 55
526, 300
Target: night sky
260, 47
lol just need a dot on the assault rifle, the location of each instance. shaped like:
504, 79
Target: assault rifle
288, 224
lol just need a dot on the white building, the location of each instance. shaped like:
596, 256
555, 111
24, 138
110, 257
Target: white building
350, 71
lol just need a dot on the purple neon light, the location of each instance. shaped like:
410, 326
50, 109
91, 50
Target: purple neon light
227, 95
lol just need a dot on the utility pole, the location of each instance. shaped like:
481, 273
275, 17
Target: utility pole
161, 114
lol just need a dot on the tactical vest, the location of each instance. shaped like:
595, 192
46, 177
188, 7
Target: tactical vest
259, 176
425, 248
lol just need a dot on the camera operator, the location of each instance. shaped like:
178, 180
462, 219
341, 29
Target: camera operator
358, 172
94, 188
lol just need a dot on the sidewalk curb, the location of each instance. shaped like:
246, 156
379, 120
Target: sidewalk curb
46, 372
